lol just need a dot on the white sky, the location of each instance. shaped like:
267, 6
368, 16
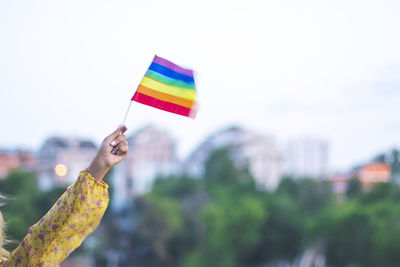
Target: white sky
318, 68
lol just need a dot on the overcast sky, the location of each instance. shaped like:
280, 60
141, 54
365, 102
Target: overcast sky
328, 69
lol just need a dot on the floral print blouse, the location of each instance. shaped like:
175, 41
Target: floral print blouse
72, 218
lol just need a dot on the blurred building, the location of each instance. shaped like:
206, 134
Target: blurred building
152, 154
372, 173
307, 157
259, 152
340, 182
368, 175
15, 159
60, 159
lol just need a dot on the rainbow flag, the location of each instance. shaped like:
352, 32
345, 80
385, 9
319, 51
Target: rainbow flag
169, 87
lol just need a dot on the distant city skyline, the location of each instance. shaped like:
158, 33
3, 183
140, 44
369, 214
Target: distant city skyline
324, 69
153, 155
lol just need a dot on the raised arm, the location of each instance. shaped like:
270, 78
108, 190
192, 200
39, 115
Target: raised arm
75, 215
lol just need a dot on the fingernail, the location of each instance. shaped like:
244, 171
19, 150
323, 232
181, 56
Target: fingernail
113, 150
123, 128
113, 143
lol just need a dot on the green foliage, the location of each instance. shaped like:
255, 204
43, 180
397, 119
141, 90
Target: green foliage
220, 171
18, 182
222, 220
25, 203
392, 158
381, 191
363, 231
233, 225
194, 259
346, 231
168, 218
161, 221
311, 195
19, 212
45, 200
283, 232
384, 218
288, 186
354, 188
175, 187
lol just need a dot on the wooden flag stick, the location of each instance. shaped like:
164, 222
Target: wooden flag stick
126, 113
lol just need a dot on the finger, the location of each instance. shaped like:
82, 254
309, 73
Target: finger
118, 140
121, 129
113, 135
120, 149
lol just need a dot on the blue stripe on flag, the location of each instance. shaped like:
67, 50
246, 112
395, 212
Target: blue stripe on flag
170, 73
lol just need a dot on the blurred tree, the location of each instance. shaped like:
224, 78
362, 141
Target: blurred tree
160, 222
176, 187
222, 220
45, 200
20, 211
354, 188
233, 216
167, 220
384, 217
392, 158
283, 233
233, 228
363, 230
25, 204
381, 191
221, 171
311, 195
288, 186
349, 239
394, 161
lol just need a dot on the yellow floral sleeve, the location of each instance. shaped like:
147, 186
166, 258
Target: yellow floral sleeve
72, 218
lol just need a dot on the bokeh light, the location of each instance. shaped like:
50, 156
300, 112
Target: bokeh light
61, 170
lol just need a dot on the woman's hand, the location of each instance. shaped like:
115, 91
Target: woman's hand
112, 151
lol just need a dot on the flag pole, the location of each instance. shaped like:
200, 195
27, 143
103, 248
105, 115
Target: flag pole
130, 104
126, 113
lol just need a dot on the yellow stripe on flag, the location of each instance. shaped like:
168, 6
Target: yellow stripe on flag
168, 89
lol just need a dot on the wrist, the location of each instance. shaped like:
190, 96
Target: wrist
98, 168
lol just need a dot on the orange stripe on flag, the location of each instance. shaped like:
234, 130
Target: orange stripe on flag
165, 97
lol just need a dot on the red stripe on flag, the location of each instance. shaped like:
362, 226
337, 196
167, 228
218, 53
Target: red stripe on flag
163, 105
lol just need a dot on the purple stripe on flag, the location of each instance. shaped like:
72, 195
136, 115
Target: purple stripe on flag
172, 66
